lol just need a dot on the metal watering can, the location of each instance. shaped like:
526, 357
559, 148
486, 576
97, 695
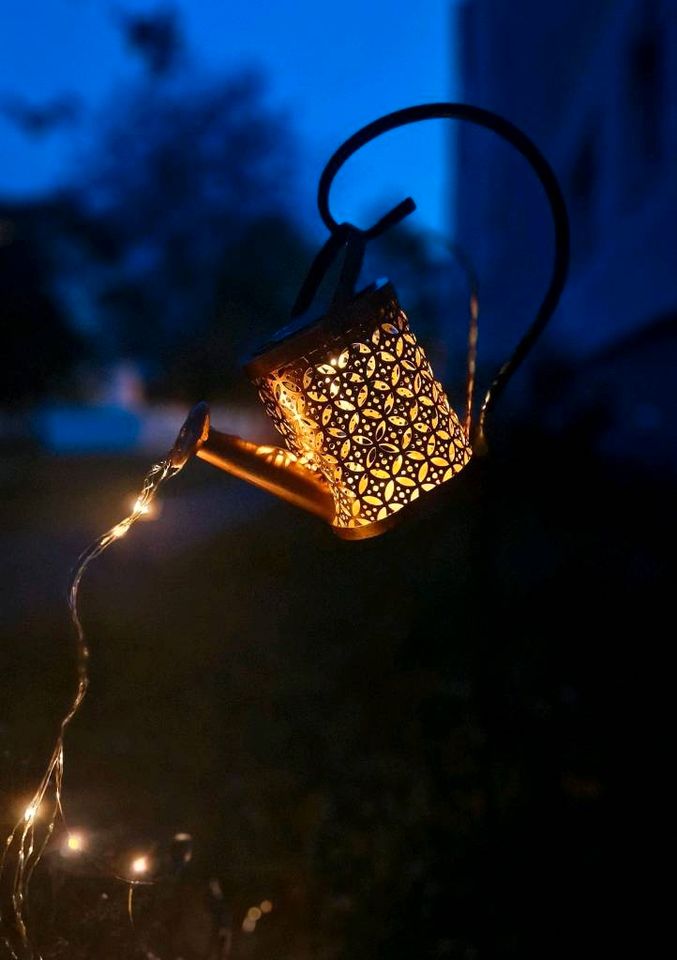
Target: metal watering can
368, 429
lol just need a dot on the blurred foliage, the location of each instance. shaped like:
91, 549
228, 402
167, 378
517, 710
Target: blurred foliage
179, 247
155, 36
40, 348
182, 178
257, 282
178, 243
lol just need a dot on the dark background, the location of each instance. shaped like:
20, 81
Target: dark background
414, 746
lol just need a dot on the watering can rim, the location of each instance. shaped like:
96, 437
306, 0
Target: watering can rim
303, 339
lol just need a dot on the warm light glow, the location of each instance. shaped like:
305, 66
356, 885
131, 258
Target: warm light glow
254, 913
140, 865
75, 842
249, 926
372, 419
144, 509
120, 530
186, 840
266, 906
31, 811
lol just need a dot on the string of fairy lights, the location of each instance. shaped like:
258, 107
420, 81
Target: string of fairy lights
27, 841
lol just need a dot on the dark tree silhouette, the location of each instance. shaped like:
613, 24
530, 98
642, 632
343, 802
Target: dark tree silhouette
154, 37
36, 120
40, 350
179, 176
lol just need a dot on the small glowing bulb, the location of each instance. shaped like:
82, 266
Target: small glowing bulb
140, 865
31, 811
120, 530
266, 906
254, 914
143, 509
75, 842
249, 926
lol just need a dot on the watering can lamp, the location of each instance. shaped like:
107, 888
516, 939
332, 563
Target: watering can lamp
367, 427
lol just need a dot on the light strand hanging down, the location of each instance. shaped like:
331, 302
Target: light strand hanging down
28, 840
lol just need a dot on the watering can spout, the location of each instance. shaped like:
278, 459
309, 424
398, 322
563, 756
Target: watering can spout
273, 469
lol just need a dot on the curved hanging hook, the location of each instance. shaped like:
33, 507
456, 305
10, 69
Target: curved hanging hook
540, 166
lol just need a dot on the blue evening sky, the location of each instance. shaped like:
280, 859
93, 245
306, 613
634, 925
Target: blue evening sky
333, 66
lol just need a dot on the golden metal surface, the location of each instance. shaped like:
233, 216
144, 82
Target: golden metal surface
272, 469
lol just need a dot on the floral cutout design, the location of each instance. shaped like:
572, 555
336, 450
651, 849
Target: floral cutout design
371, 418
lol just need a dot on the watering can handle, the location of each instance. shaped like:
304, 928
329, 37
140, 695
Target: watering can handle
540, 166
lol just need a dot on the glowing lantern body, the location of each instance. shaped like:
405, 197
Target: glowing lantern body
356, 400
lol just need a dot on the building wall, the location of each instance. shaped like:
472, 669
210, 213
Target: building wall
594, 83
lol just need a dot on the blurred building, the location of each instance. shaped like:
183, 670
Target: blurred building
594, 83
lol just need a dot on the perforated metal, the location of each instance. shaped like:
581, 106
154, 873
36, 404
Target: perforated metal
369, 415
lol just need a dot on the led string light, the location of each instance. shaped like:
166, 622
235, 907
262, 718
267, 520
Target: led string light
254, 914
25, 844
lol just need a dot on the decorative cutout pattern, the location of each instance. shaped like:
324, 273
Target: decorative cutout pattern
370, 416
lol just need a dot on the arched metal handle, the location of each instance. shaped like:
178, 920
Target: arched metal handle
540, 166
